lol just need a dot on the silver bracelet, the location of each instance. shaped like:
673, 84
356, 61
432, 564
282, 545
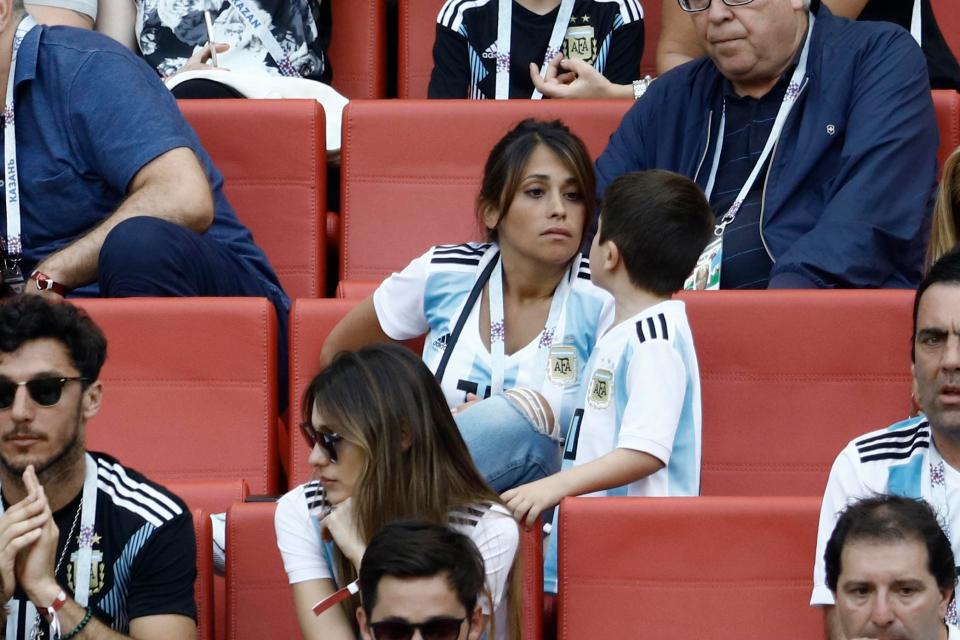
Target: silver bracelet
640, 86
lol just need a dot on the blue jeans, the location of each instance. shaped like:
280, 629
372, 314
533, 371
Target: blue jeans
506, 447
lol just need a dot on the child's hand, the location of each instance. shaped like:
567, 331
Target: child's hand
528, 501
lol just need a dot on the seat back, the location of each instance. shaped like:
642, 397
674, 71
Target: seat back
190, 388
947, 106
789, 377
358, 48
272, 154
417, 23
718, 568
259, 599
203, 589
213, 496
400, 198
531, 584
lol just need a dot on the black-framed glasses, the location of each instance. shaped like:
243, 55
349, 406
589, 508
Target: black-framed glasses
693, 6
433, 629
45, 391
327, 441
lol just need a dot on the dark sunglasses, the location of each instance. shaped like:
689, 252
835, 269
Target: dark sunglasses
435, 629
45, 391
327, 441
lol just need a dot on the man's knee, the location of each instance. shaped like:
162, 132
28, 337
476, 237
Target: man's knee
139, 255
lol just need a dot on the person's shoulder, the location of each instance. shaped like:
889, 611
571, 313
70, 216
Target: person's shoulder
458, 257
484, 520
582, 284
454, 12
852, 38
660, 323
132, 492
893, 444
630, 10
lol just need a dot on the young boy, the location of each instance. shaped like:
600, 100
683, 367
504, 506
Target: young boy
637, 431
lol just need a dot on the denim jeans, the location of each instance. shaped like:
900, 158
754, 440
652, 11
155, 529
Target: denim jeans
506, 447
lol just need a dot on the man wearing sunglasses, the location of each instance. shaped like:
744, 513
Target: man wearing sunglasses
421, 581
814, 138
87, 546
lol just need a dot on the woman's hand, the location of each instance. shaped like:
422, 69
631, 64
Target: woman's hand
199, 60
472, 399
341, 528
575, 79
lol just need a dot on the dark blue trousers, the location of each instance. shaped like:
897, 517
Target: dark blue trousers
146, 256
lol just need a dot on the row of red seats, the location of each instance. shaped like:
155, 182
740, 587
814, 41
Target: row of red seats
787, 378
410, 172
359, 44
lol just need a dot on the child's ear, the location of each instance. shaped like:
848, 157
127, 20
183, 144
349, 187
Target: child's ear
611, 255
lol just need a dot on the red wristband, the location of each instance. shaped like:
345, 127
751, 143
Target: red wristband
46, 283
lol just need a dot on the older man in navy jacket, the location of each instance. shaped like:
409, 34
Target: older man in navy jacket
814, 137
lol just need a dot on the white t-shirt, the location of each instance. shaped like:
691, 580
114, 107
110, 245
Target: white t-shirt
305, 557
895, 460
642, 392
428, 296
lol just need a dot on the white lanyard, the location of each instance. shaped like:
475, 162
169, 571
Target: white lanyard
915, 27
88, 514
937, 478
505, 32
11, 183
262, 30
789, 99
552, 328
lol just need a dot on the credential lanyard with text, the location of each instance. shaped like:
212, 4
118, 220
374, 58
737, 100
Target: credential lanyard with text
262, 30
13, 248
505, 32
88, 514
706, 275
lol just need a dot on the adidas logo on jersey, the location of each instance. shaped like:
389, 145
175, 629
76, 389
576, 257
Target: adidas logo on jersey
490, 53
441, 343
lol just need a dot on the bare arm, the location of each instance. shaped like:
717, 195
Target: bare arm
357, 329
172, 187
332, 624
161, 627
617, 468
846, 8
59, 16
117, 19
678, 41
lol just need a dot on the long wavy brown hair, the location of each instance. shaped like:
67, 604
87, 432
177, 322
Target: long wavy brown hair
384, 400
944, 229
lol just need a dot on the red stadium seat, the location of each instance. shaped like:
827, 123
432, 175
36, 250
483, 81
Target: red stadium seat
358, 48
948, 19
419, 190
718, 568
789, 377
418, 29
947, 105
652, 10
272, 154
531, 585
259, 599
203, 590
190, 388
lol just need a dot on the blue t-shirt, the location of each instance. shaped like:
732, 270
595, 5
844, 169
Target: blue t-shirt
89, 116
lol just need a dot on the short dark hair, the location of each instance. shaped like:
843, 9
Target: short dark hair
25, 318
886, 518
503, 171
408, 549
945, 270
660, 222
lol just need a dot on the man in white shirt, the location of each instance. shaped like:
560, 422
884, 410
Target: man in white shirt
918, 457
891, 570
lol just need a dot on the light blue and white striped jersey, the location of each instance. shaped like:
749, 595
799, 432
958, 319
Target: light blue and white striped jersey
641, 392
900, 460
428, 296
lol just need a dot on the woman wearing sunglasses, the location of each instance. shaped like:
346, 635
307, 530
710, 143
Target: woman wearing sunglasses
385, 448
513, 318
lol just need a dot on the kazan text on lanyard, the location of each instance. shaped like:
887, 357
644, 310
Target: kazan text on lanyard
12, 247
505, 32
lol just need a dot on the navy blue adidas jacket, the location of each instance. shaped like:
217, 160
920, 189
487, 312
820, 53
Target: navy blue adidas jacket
850, 184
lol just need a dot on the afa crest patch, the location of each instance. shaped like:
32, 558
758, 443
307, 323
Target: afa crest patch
601, 389
580, 43
562, 365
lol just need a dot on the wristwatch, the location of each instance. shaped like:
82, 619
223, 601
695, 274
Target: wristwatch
640, 87
46, 283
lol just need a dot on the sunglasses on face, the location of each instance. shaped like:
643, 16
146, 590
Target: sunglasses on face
327, 441
693, 6
435, 629
45, 392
